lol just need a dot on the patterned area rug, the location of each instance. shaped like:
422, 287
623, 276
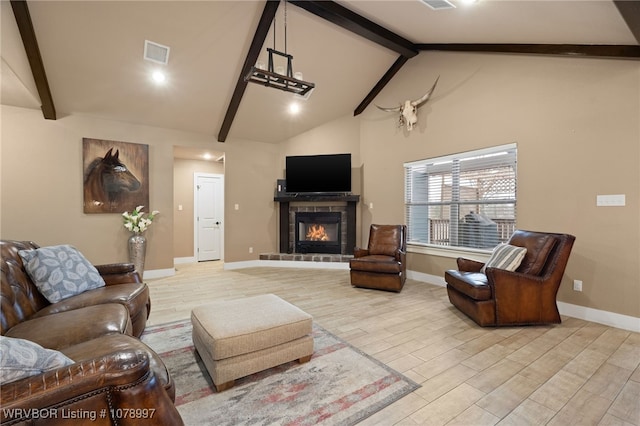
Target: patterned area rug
340, 385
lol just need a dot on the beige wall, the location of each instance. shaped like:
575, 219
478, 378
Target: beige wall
183, 220
339, 136
41, 188
575, 121
251, 171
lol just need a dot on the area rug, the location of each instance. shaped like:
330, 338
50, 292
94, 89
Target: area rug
339, 386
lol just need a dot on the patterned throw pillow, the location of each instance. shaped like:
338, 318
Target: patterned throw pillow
60, 272
23, 358
505, 256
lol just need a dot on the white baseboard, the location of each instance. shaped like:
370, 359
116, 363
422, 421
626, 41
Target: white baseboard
427, 278
158, 273
611, 319
179, 260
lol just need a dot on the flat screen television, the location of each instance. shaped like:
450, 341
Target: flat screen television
318, 173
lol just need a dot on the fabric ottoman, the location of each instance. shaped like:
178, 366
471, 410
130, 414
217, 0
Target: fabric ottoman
236, 338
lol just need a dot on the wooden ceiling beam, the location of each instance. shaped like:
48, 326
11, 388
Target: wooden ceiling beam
596, 50
386, 78
28, 35
268, 14
345, 18
630, 11
351, 21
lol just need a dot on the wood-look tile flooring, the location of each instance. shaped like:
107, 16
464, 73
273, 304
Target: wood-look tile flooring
575, 373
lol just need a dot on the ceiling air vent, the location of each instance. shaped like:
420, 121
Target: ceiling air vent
438, 4
155, 52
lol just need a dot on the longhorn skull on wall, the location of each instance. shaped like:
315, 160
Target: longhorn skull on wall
409, 109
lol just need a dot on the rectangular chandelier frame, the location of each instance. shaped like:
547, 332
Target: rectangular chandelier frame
270, 78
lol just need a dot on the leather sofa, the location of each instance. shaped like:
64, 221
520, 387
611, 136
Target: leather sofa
113, 373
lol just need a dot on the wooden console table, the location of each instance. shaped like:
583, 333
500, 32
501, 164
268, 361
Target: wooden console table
284, 200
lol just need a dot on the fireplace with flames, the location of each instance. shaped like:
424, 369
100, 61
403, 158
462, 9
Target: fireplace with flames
318, 232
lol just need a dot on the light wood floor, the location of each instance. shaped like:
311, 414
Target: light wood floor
575, 373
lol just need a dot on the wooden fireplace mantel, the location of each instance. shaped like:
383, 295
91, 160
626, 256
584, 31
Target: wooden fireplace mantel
285, 199
316, 198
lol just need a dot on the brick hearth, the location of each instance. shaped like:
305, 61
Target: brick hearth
310, 257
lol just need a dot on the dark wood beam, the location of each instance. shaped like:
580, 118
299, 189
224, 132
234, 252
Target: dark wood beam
345, 18
630, 11
380, 85
28, 35
268, 14
598, 50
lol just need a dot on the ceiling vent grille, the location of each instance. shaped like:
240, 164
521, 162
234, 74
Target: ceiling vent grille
439, 4
155, 52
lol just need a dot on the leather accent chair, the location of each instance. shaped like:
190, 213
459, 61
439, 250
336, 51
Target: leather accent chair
382, 265
525, 296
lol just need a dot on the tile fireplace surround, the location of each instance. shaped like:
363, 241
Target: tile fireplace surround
290, 204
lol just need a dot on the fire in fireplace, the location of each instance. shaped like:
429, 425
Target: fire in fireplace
318, 232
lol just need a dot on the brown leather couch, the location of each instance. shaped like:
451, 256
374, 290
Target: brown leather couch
382, 265
98, 329
525, 296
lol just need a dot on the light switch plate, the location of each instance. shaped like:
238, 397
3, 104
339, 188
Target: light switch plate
611, 200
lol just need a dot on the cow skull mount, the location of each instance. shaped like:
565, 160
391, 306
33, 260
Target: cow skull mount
409, 109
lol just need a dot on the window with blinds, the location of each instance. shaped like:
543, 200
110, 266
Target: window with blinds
462, 200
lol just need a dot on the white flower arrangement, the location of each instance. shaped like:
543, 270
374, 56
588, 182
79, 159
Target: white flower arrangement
136, 221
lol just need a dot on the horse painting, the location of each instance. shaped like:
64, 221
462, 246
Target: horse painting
109, 185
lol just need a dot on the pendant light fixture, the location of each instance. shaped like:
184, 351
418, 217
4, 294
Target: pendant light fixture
277, 77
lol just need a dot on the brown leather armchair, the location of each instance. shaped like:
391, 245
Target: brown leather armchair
523, 297
383, 264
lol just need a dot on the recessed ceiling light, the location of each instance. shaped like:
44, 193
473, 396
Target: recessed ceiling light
207, 156
158, 77
294, 108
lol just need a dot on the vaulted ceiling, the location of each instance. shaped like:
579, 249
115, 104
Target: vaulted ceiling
91, 54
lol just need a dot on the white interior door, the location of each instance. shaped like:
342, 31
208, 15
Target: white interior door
208, 216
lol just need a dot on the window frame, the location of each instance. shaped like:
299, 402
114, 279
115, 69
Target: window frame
447, 250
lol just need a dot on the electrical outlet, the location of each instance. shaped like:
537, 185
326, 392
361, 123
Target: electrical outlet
577, 285
250, 249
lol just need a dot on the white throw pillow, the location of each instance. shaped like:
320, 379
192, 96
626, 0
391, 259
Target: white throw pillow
60, 272
505, 256
23, 358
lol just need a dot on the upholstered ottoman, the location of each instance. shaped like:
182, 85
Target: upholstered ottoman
239, 337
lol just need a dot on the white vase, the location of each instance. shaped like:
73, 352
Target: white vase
137, 251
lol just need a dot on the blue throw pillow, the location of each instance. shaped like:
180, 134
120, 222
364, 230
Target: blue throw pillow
60, 272
23, 358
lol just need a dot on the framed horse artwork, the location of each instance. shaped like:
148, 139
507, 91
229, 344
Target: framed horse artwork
116, 175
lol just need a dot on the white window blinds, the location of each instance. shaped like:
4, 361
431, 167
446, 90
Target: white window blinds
462, 200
